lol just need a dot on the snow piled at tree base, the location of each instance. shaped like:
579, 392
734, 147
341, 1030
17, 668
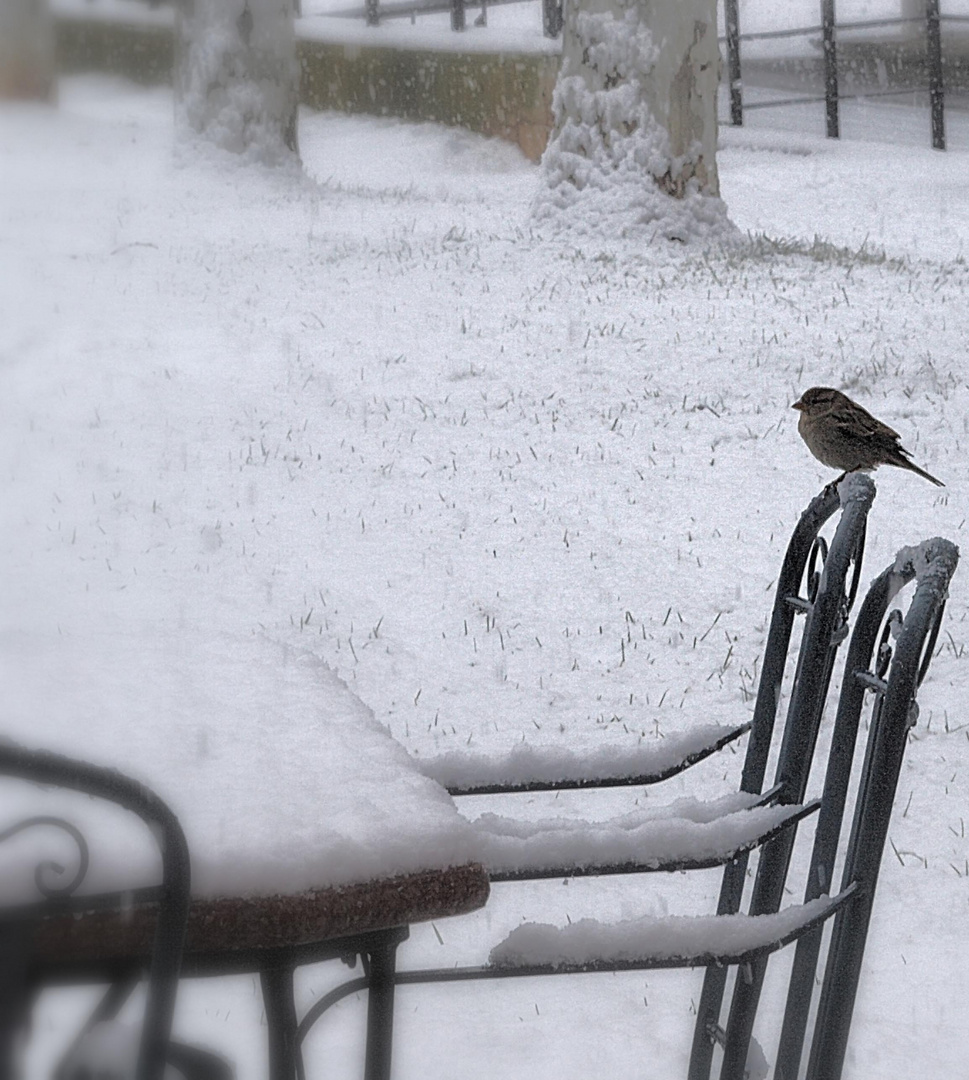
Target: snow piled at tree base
609, 168
237, 79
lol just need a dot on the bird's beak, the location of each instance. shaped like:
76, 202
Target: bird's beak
799, 405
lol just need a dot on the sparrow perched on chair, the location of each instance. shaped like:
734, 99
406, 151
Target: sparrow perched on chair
843, 435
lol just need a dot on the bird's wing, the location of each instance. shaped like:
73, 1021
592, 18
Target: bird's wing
858, 423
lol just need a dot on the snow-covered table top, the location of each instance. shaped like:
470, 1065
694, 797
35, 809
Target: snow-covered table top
281, 777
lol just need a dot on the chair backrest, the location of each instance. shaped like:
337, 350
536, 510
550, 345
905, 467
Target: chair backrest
173, 895
830, 595
893, 674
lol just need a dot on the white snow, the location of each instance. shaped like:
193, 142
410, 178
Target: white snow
609, 153
511, 28
928, 557
588, 940
237, 77
508, 488
686, 831
856, 486
526, 763
280, 776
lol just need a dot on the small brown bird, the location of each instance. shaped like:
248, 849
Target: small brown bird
843, 435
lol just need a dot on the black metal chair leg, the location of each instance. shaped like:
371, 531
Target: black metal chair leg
14, 942
277, 993
380, 1008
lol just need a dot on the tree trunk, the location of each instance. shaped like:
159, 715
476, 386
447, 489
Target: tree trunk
26, 50
635, 113
236, 75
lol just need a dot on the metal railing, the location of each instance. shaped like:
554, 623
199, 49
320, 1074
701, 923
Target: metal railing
373, 12
828, 29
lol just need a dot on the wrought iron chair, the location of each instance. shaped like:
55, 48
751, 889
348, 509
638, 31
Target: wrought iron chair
21, 976
893, 674
830, 578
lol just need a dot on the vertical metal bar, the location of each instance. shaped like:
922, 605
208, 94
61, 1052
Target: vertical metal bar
735, 81
380, 1007
457, 14
14, 950
933, 36
373, 12
166, 960
277, 994
830, 69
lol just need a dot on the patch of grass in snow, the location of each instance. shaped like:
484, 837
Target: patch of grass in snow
925, 380
760, 245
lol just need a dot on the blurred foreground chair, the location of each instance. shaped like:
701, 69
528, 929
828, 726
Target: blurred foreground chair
152, 1053
744, 932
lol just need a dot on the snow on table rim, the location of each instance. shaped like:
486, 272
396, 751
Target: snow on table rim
687, 833
658, 940
527, 767
280, 776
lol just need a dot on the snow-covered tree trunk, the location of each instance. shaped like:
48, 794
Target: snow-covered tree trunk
26, 50
236, 75
635, 121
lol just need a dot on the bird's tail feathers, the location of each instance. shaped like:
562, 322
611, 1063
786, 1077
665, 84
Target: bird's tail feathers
904, 463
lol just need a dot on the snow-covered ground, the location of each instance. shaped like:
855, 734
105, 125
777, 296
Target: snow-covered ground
509, 487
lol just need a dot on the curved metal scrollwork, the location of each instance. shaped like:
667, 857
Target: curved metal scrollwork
891, 629
46, 885
856, 561
819, 551
883, 654
815, 566
930, 641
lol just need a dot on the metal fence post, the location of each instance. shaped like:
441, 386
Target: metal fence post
933, 37
830, 69
732, 19
457, 14
373, 12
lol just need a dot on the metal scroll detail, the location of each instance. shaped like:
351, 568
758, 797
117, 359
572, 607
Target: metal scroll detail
856, 560
48, 874
819, 552
892, 628
815, 566
883, 654
929, 647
